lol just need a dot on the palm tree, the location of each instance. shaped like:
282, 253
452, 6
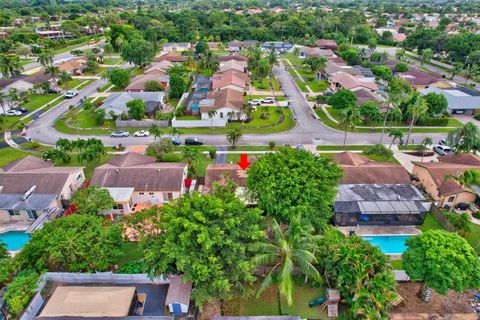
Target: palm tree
254, 55
415, 111
465, 139
471, 71
465, 179
263, 69
57, 156
211, 114
52, 70
208, 61
456, 69
175, 132
425, 56
395, 134
427, 141
10, 65
316, 65
248, 109
13, 95
233, 136
287, 252
348, 117
45, 57
272, 58
108, 49
155, 130
230, 115
65, 77
191, 155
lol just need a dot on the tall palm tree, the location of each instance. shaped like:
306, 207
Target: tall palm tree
395, 134
415, 111
427, 141
10, 65
456, 69
211, 114
254, 55
52, 70
175, 132
65, 77
393, 100
348, 117
287, 251
191, 155
272, 58
13, 95
263, 69
465, 179
45, 57
233, 136
465, 139
155, 130
471, 71
208, 61
108, 49
316, 65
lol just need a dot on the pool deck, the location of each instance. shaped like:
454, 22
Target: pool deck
14, 226
380, 230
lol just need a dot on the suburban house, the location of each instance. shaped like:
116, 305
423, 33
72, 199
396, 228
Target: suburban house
421, 80
363, 95
433, 176
117, 102
171, 56
136, 181
376, 193
231, 79
138, 83
15, 83
460, 99
327, 44
212, 45
227, 104
219, 172
233, 56
232, 65
31, 186
178, 296
176, 46
342, 80
235, 45
311, 52
334, 67
161, 66
74, 67
278, 47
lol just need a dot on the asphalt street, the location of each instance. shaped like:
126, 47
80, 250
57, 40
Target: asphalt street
308, 130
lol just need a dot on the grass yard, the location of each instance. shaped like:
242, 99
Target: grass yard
189, 118
38, 100
306, 74
24, 62
85, 83
131, 252
112, 61
297, 62
410, 147
301, 85
317, 85
377, 158
292, 72
275, 84
257, 96
71, 84
267, 304
302, 296
397, 264
10, 154
261, 84
235, 157
337, 147
253, 148
430, 223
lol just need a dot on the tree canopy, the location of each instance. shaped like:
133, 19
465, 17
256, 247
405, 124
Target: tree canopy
442, 260
206, 239
119, 77
76, 243
465, 139
291, 182
136, 108
139, 52
342, 99
92, 200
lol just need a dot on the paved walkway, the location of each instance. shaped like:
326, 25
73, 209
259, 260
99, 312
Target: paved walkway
310, 91
466, 119
380, 230
221, 157
406, 159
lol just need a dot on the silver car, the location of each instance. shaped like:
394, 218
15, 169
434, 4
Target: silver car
120, 134
442, 150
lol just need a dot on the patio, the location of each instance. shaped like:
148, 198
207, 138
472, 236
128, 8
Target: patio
380, 230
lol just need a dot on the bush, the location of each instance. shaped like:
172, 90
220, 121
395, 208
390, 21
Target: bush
434, 122
87, 105
34, 145
212, 153
272, 145
20, 291
379, 150
476, 215
171, 157
132, 267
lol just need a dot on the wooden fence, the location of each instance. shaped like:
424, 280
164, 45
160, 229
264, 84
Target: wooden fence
437, 214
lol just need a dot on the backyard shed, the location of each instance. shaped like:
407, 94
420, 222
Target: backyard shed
83, 301
178, 295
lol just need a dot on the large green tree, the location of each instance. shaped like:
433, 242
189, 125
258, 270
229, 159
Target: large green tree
119, 77
76, 243
136, 108
442, 260
364, 277
207, 239
92, 200
139, 52
437, 103
465, 139
342, 99
291, 182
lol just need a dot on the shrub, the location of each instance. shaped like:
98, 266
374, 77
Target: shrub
171, 157
132, 267
87, 105
20, 291
272, 145
34, 145
379, 150
434, 122
476, 215
212, 153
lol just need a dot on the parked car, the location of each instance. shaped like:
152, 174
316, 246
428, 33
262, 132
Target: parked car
462, 206
193, 141
119, 134
12, 113
70, 94
176, 141
300, 147
443, 142
268, 100
327, 93
141, 133
255, 102
21, 109
442, 150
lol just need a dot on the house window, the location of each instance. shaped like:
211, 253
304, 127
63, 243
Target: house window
450, 199
221, 115
79, 177
165, 197
118, 206
14, 212
150, 193
141, 193
170, 196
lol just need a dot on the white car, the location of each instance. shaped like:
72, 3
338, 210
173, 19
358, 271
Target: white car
442, 150
269, 100
70, 94
13, 113
142, 133
255, 102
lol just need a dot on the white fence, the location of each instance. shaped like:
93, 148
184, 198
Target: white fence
198, 123
140, 123
101, 277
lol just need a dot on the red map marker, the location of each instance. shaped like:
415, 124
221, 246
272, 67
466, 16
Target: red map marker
243, 163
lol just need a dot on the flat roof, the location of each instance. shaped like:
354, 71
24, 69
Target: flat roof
81, 301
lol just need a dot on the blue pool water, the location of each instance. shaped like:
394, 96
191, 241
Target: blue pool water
14, 240
388, 244
195, 106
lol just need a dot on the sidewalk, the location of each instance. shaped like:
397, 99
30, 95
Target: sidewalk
310, 91
406, 159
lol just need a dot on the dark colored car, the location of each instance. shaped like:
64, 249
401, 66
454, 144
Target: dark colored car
21, 109
193, 142
176, 141
462, 206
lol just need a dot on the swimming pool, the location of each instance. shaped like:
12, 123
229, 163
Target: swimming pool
388, 244
15, 240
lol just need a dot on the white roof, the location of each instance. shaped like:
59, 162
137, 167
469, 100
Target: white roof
456, 98
120, 194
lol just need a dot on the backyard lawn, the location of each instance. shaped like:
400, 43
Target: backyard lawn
71, 84
131, 252
10, 154
317, 85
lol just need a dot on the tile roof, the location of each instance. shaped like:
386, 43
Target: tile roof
361, 170
418, 77
159, 66
218, 172
363, 95
334, 67
71, 65
26, 163
224, 98
231, 77
232, 64
235, 56
138, 82
327, 44
349, 82
171, 56
133, 170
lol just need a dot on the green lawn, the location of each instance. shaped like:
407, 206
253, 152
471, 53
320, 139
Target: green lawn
38, 100
112, 61
10, 154
235, 157
338, 147
306, 74
24, 62
430, 223
131, 252
301, 85
297, 62
71, 84
261, 84
70, 48
253, 148
292, 72
258, 96
189, 118
275, 84
397, 264
85, 84
317, 85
